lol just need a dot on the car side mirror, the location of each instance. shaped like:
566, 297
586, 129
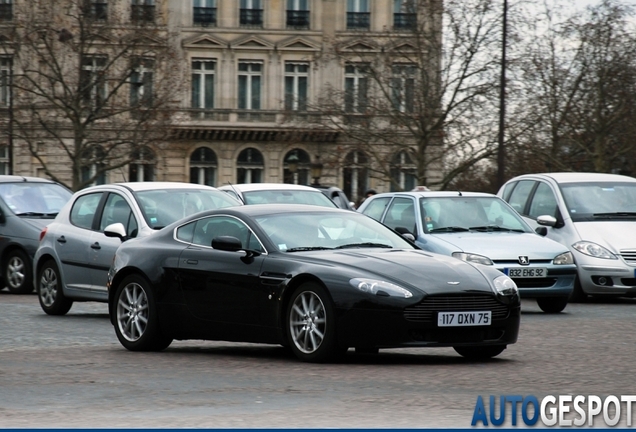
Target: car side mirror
542, 231
232, 244
404, 232
547, 220
116, 230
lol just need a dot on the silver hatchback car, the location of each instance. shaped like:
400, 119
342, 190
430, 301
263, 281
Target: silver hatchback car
481, 228
594, 215
74, 255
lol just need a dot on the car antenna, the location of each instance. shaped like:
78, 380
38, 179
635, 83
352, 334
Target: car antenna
237, 194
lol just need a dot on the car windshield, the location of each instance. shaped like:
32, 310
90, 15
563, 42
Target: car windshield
465, 213
34, 199
288, 197
162, 207
600, 200
295, 232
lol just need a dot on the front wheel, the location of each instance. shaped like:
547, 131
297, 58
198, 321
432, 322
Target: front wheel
311, 324
479, 352
552, 304
52, 299
17, 272
136, 319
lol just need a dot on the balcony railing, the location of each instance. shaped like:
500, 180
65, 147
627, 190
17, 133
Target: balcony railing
6, 12
297, 19
143, 13
251, 17
404, 21
97, 11
204, 16
358, 20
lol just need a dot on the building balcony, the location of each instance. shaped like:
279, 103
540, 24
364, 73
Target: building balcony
204, 16
251, 18
142, 13
404, 21
297, 19
6, 12
358, 20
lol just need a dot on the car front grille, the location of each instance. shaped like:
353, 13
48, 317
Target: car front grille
534, 282
629, 255
426, 310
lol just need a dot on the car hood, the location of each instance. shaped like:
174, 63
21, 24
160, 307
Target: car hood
614, 235
504, 245
429, 273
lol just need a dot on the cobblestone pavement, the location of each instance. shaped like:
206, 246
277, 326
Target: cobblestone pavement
71, 371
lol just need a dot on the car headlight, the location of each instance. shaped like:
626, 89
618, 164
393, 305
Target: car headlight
473, 258
564, 258
593, 250
505, 286
381, 288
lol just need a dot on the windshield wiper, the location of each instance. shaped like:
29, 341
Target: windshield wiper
31, 214
618, 214
363, 245
493, 228
448, 229
308, 248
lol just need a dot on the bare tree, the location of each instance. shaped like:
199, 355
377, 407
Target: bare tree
421, 99
92, 86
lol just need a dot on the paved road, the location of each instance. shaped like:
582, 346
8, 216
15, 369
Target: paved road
71, 371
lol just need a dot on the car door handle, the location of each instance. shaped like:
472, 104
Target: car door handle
61, 239
191, 261
95, 246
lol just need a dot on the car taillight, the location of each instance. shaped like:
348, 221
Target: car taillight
43, 233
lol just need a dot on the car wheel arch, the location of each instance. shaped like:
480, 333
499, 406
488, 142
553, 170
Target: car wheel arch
121, 275
289, 290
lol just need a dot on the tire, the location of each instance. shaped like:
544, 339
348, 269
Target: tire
310, 322
136, 319
480, 352
49, 288
552, 304
578, 295
17, 272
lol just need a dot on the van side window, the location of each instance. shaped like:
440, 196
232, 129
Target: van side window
543, 202
519, 195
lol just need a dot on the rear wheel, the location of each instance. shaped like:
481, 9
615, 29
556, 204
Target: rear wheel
136, 320
311, 324
49, 287
480, 352
552, 304
17, 272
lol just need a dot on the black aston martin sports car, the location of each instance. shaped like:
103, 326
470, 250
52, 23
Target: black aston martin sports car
317, 280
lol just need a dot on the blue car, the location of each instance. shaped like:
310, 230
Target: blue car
481, 228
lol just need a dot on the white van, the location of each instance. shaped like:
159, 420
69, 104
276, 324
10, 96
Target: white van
594, 215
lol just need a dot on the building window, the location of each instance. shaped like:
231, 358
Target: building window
93, 80
403, 87
92, 163
203, 83
355, 175
6, 10
297, 167
296, 81
404, 15
143, 10
4, 160
5, 81
250, 85
141, 79
356, 88
96, 9
298, 14
204, 12
142, 167
203, 167
249, 166
403, 173
358, 15
251, 13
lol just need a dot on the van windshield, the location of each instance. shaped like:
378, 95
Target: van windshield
600, 200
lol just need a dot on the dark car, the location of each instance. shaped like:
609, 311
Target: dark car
315, 279
27, 204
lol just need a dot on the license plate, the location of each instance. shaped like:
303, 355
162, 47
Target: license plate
526, 272
459, 319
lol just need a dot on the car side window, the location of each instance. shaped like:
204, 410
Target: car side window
520, 194
208, 228
84, 209
185, 233
117, 210
401, 213
376, 207
543, 202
